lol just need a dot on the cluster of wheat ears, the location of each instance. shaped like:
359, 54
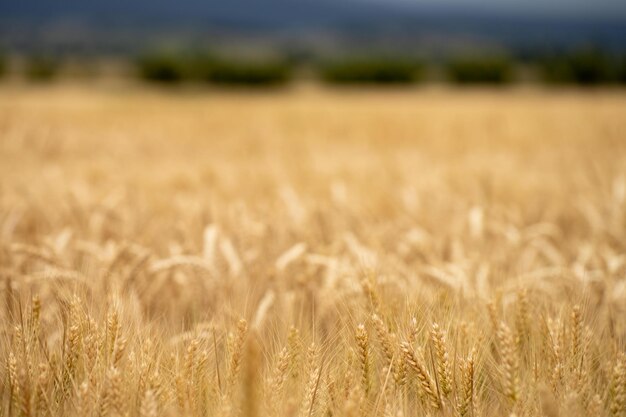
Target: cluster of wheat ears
312, 254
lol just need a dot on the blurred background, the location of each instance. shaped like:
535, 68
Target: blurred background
280, 42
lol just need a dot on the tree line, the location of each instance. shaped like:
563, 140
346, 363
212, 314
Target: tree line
587, 67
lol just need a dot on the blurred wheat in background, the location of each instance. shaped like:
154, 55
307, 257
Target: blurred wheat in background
312, 253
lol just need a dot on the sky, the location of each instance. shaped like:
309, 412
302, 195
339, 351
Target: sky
552, 8
581, 8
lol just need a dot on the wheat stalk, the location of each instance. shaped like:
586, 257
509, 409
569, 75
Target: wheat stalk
425, 380
444, 372
509, 361
362, 341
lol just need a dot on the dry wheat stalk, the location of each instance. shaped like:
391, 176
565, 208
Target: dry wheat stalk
444, 372
385, 339
237, 352
149, 404
617, 390
362, 341
467, 400
313, 382
509, 361
426, 382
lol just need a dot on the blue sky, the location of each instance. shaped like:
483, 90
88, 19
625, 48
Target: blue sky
582, 8
554, 8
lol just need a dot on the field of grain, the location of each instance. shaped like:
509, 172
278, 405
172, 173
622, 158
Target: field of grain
312, 253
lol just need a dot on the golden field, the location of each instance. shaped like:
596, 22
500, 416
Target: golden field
312, 252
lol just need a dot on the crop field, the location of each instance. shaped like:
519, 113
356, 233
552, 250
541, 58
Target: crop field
312, 253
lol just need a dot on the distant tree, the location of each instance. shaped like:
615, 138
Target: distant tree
42, 68
163, 67
584, 67
3, 65
480, 69
373, 70
622, 69
247, 72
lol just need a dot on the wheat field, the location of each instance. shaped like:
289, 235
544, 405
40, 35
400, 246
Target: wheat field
312, 253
